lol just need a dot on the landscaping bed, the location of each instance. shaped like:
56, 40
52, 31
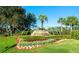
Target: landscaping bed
34, 42
8, 44
61, 46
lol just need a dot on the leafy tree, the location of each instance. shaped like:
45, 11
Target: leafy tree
31, 20
42, 18
71, 21
15, 17
10, 16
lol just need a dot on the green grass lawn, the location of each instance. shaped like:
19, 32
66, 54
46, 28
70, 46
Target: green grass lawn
66, 46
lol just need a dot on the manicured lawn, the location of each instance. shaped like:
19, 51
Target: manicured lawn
6, 42
68, 45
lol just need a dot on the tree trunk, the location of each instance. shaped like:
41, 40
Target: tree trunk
61, 28
10, 31
66, 27
71, 28
42, 25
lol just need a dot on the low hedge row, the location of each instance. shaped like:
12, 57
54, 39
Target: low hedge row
60, 36
41, 38
37, 39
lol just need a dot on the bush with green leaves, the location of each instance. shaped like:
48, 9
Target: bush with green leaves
59, 36
75, 34
45, 37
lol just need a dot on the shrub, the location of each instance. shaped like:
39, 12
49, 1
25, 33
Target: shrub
65, 32
41, 38
6, 34
60, 36
34, 38
26, 33
75, 34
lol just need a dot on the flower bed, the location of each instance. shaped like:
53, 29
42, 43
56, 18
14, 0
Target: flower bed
30, 45
29, 42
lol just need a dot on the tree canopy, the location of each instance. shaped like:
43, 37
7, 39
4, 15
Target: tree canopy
15, 17
69, 21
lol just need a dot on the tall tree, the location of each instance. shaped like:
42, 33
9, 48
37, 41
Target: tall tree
42, 18
15, 17
30, 19
61, 21
11, 15
71, 21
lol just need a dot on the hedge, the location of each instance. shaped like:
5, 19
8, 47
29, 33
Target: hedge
41, 38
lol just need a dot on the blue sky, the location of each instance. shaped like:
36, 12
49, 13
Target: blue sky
53, 13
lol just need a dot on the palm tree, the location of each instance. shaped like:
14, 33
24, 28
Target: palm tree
61, 21
71, 21
42, 18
